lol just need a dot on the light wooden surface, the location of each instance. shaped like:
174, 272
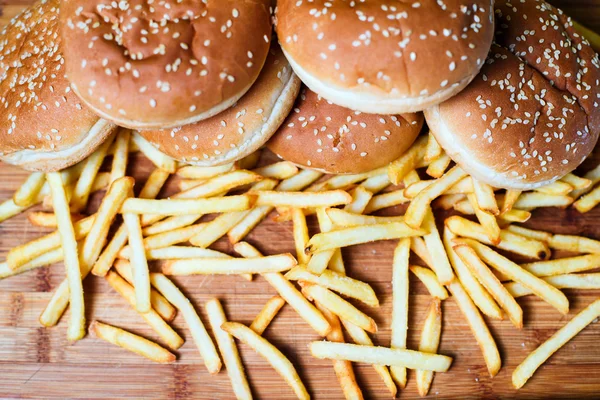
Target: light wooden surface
39, 363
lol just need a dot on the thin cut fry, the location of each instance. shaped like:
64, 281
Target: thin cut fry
344, 181
486, 199
510, 198
120, 155
154, 184
408, 161
430, 281
531, 200
399, 323
175, 253
157, 157
487, 221
249, 161
219, 184
588, 201
336, 264
141, 275
386, 200
430, 340
478, 327
300, 235
377, 183
279, 170
566, 281
301, 199
418, 246
28, 193
173, 237
228, 266
48, 220
438, 166
228, 349
270, 353
193, 172
83, 188
433, 149
577, 244
344, 219
576, 182
360, 199
131, 342
594, 176
187, 207
530, 233
321, 259
266, 314
201, 338
440, 263
536, 358
556, 188
170, 224
51, 257
76, 328
562, 266
447, 201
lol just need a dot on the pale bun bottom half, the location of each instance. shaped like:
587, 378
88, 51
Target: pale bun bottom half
468, 161
50, 161
372, 103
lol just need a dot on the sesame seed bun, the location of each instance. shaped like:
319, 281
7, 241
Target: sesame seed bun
531, 116
43, 126
241, 129
155, 65
323, 136
385, 57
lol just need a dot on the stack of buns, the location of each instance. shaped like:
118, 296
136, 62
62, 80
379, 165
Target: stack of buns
208, 83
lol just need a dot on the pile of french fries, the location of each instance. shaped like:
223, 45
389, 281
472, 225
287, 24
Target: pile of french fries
461, 261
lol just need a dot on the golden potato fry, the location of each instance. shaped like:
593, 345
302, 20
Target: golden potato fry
487, 221
187, 206
267, 314
576, 182
486, 200
27, 194
433, 149
438, 167
157, 157
563, 266
279, 170
217, 228
588, 201
194, 172
120, 155
48, 220
360, 199
430, 281
300, 235
228, 266
556, 188
399, 323
430, 340
510, 198
435, 248
408, 161
141, 274
345, 219
386, 200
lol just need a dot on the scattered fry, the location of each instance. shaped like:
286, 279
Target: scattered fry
141, 275
486, 200
28, 193
344, 219
120, 155
228, 266
436, 251
301, 199
430, 281
360, 199
487, 221
187, 207
408, 161
399, 322
430, 340
563, 266
216, 228
567, 281
48, 220
386, 200
157, 157
588, 201
300, 235
194, 172
510, 198
279, 170
266, 314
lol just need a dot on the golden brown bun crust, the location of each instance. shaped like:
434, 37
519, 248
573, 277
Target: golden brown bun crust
152, 65
241, 129
511, 127
385, 56
41, 116
333, 139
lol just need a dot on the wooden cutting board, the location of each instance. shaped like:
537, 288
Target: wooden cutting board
36, 362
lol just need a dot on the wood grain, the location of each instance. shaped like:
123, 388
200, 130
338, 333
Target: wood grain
39, 363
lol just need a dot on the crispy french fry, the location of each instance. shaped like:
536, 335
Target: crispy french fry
217, 228
154, 320
299, 181
175, 253
51, 257
513, 215
76, 328
336, 264
48, 220
438, 166
415, 214
228, 266
360, 234
158, 158
157, 300
201, 338
380, 355
510, 198
279, 170
249, 161
536, 358
478, 327
187, 206
173, 237
83, 188
266, 314
487, 221
377, 183
301, 199
339, 306
556, 188
120, 155
300, 235
588, 201
218, 185
154, 184
386, 200
563, 266
530, 233
463, 186
593, 176
447, 201
141, 274
337, 282
9, 209
418, 246
576, 182
399, 323
131, 342
320, 260
566, 281
360, 199
441, 265
28, 193
490, 282
170, 224
433, 149
430, 281
577, 244
186, 184
289, 293
430, 340
193, 172
408, 161
344, 219
228, 349
249, 222
530, 200
270, 353
486, 200
540, 288
108, 256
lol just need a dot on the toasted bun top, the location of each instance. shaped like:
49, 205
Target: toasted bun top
155, 64
386, 48
326, 137
241, 129
40, 113
532, 114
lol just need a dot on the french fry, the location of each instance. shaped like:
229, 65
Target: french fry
301, 199
376, 183
536, 358
360, 199
591, 36
510, 198
593, 176
131, 342
9, 209
141, 274
289, 293
154, 320
201, 338
51, 257
249, 161
418, 246
279, 170
415, 214
344, 219
555, 188
540, 288
186, 184
430, 281
249, 222
194, 172
216, 228
109, 255
337, 282
228, 349
486, 200
447, 201
83, 188
563, 266
410, 178
229, 266
175, 236
76, 329
408, 161
28, 192
588, 201
359, 336
380, 355
490, 282
386, 200
48, 220
187, 206
478, 327
343, 369
158, 158
218, 185
299, 181
530, 200
320, 260
120, 155
469, 283
577, 244
336, 264
270, 353
487, 221
438, 166
566, 281
170, 224
399, 323
300, 235
154, 184
441, 265
360, 234
430, 340
157, 300
513, 215
530, 233
175, 253
266, 314
576, 182
433, 149
509, 241
463, 186
345, 181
